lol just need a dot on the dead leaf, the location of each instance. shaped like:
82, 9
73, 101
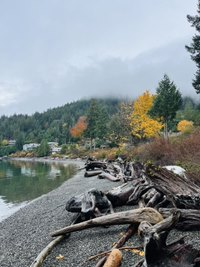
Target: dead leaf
138, 252
60, 257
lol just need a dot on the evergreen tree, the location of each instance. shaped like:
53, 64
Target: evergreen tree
92, 116
167, 102
19, 142
44, 149
97, 119
194, 48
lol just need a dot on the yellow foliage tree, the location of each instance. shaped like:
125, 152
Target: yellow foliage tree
4, 142
143, 126
185, 126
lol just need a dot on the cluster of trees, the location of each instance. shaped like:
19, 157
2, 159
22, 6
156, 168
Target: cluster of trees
143, 119
52, 125
108, 121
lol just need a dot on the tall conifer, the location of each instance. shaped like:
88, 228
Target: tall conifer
194, 48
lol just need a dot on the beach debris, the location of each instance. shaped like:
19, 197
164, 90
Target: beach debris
60, 257
157, 253
134, 216
131, 230
155, 187
46, 251
91, 204
167, 199
114, 259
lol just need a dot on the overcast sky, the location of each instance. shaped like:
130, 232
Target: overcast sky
56, 51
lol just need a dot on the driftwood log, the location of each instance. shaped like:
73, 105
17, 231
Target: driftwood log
91, 204
92, 165
189, 219
158, 253
111, 177
129, 232
92, 173
154, 188
125, 217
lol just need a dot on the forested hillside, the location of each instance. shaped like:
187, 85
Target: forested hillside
54, 124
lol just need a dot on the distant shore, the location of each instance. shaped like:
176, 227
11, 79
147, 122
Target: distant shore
48, 159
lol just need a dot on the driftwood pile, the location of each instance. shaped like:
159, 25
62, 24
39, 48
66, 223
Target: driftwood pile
164, 199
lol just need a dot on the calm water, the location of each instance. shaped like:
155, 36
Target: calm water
22, 181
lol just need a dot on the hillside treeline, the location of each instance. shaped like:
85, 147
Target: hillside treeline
54, 124
106, 119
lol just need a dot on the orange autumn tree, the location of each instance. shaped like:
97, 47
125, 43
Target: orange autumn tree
79, 127
142, 125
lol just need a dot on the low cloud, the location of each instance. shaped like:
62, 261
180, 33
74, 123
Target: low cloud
112, 76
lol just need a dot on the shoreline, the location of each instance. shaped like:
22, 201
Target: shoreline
25, 233
14, 207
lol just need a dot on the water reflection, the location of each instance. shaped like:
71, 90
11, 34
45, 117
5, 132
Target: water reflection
22, 181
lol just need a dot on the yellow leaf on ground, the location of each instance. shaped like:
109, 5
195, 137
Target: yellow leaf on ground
138, 252
60, 257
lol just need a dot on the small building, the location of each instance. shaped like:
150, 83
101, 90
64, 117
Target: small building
52, 144
56, 150
11, 142
30, 147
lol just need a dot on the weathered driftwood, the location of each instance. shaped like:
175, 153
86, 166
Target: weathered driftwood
92, 173
180, 192
105, 253
124, 171
158, 253
129, 232
90, 204
176, 254
124, 217
157, 187
151, 186
106, 175
91, 165
46, 251
119, 196
189, 219
132, 170
114, 259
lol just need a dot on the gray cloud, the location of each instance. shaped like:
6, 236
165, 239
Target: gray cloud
56, 51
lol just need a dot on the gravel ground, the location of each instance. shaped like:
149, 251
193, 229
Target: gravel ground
24, 234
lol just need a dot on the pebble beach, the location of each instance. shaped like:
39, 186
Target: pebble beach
24, 234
